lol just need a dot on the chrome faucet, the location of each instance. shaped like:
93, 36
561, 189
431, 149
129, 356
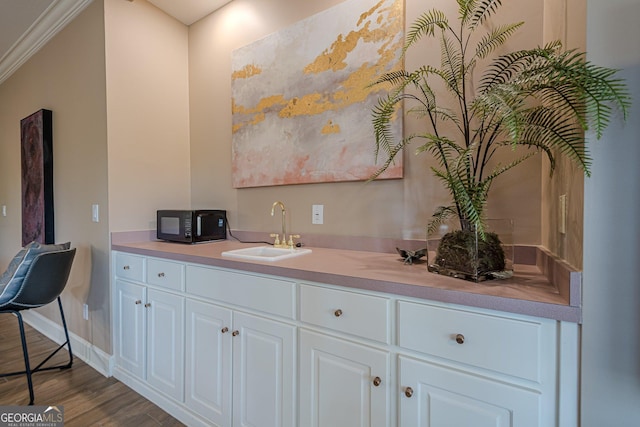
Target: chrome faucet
284, 227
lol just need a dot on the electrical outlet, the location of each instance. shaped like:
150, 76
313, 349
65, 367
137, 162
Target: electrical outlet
562, 214
317, 214
85, 311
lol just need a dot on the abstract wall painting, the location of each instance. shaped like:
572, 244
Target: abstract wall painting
301, 104
36, 134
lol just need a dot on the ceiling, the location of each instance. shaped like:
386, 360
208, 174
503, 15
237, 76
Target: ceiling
27, 25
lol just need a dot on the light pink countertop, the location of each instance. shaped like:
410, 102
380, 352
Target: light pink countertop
528, 292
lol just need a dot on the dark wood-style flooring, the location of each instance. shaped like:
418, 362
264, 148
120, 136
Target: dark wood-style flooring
88, 398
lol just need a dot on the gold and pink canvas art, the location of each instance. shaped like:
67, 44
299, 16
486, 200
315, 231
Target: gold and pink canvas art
301, 103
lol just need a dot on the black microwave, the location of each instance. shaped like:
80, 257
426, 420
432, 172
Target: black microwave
191, 226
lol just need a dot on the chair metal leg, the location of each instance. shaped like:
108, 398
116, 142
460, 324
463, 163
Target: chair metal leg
28, 371
25, 353
67, 343
66, 333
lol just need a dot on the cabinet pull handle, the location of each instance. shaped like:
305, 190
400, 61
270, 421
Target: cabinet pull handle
138, 302
224, 330
408, 392
337, 313
160, 274
235, 333
377, 381
147, 305
460, 339
126, 267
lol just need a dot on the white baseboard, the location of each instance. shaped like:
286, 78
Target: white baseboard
82, 349
178, 410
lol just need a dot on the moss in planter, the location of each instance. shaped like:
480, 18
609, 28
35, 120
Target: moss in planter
457, 251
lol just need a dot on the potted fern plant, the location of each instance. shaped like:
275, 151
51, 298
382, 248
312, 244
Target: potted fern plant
531, 101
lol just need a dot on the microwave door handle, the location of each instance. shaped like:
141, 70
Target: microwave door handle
198, 226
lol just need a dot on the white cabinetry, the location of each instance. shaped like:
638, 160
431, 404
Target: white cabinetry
208, 361
263, 372
149, 324
212, 346
343, 381
240, 367
221, 347
467, 367
250, 378
439, 396
165, 342
130, 327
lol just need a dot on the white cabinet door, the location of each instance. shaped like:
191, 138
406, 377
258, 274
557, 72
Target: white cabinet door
165, 342
437, 396
208, 361
130, 327
342, 384
263, 372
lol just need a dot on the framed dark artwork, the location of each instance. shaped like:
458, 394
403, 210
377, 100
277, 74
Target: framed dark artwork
36, 135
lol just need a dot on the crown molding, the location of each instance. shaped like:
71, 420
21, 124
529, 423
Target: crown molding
54, 19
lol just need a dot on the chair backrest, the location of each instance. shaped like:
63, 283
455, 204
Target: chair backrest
44, 281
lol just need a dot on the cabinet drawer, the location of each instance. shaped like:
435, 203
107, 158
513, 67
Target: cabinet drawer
507, 345
269, 295
166, 274
130, 266
366, 316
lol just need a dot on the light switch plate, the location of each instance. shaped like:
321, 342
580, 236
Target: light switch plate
95, 213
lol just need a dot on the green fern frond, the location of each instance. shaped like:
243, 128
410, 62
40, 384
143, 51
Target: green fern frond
504, 68
383, 114
452, 65
441, 215
425, 25
500, 169
547, 128
392, 153
394, 78
496, 38
504, 104
442, 148
480, 12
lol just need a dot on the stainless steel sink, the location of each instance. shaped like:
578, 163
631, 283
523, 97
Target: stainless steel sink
265, 253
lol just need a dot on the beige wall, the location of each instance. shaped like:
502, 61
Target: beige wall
399, 208
147, 84
67, 76
564, 20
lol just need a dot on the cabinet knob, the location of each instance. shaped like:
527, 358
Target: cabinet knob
460, 339
147, 305
224, 330
138, 301
408, 392
126, 267
160, 274
338, 313
377, 381
235, 333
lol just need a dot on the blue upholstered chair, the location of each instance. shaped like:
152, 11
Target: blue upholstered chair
35, 277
